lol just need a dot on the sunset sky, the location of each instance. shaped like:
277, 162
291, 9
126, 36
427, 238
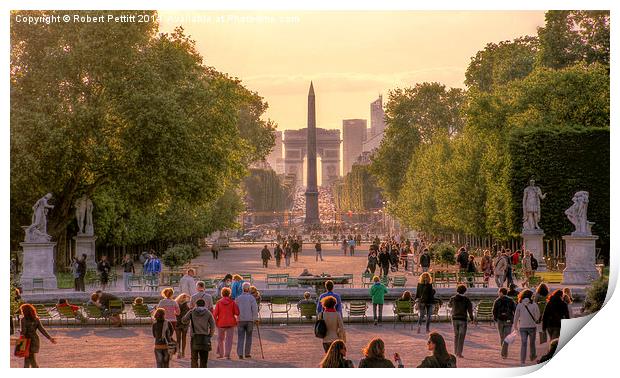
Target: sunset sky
350, 56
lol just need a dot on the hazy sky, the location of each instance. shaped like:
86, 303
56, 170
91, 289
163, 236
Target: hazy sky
350, 56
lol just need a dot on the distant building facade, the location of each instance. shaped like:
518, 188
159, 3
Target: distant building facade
353, 136
377, 126
275, 156
327, 146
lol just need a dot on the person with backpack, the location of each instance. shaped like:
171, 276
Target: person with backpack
202, 326
525, 321
265, 255
377, 293
461, 306
440, 357
334, 326
162, 333
425, 260
425, 297
503, 315
277, 253
555, 310
528, 269
462, 258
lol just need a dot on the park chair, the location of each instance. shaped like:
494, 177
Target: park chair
38, 285
135, 282
279, 305
357, 308
292, 282
483, 311
440, 279
43, 313
349, 279
404, 309
307, 310
385, 280
117, 307
151, 283
277, 279
66, 313
367, 279
93, 312
399, 281
141, 312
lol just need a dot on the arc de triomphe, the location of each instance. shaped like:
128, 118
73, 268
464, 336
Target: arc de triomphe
327, 146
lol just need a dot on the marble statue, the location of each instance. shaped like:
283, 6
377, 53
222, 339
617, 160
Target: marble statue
531, 206
84, 215
37, 231
578, 214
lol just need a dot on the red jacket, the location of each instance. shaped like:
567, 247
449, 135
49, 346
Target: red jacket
224, 313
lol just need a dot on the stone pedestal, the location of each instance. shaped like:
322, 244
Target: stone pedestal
533, 242
38, 262
580, 259
85, 244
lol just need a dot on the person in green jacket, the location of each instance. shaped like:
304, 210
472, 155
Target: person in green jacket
377, 293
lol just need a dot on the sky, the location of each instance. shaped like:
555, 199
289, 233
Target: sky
351, 56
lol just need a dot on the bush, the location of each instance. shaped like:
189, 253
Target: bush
595, 295
443, 253
179, 255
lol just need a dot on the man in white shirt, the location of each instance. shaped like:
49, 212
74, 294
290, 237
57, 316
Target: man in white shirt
187, 284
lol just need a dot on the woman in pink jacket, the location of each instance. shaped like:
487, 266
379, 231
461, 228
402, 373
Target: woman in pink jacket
225, 314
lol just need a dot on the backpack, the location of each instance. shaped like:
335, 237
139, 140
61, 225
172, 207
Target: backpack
534, 262
504, 312
320, 328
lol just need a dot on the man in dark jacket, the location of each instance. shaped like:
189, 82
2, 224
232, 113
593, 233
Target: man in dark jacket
295, 246
503, 314
265, 255
81, 271
202, 328
461, 306
384, 261
277, 252
462, 259
425, 260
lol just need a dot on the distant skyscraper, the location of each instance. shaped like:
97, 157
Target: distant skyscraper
353, 136
276, 153
377, 117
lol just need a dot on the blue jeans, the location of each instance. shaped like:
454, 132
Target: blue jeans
319, 254
504, 328
244, 333
127, 280
460, 330
525, 334
425, 309
162, 358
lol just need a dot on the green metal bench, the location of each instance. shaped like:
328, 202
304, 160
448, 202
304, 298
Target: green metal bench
279, 305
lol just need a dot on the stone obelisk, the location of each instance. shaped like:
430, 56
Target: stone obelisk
312, 192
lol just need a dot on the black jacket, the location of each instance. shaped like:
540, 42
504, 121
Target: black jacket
463, 259
555, 311
425, 260
504, 307
425, 293
461, 306
384, 258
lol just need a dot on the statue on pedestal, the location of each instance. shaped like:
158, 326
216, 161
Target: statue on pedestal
37, 231
84, 215
578, 214
531, 206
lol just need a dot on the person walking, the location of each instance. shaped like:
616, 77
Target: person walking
525, 322
187, 283
461, 306
371, 265
425, 296
248, 315
425, 260
336, 356
288, 252
162, 333
128, 271
374, 355
277, 253
319, 251
265, 255
237, 287
471, 271
75, 273
296, 246
555, 310
503, 315
180, 329
377, 293
526, 266
333, 322
329, 287
344, 246
499, 269
225, 282
486, 267
509, 270
202, 326
462, 258
440, 357
384, 261
104, 271
201, 293
225, 314
215, 250
170, 306
29, 325
81, 271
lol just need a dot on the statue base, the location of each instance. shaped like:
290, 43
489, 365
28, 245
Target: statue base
85, 245
533, 242
38, 263
580, 260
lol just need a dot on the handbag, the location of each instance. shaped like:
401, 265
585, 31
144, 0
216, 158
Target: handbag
511, 337
22, 347
320, 327
199, 341
171, 344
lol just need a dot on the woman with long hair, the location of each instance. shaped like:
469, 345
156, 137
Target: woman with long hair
335, 357
555, 310
162, 333
169, 305
29, 324
180, 328
525, 321
333, 321
440, 357
425, 295
374, 355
